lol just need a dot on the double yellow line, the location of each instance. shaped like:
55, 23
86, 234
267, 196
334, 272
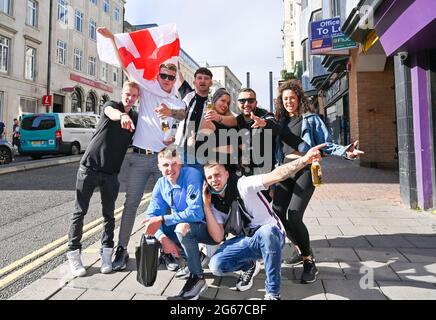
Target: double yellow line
52, 250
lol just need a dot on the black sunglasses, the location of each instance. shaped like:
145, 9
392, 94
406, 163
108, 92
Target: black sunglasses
165, 76
249, 101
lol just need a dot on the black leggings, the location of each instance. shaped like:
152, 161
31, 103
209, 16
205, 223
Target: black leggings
291, 198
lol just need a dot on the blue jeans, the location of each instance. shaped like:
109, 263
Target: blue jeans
239, 253
197, 234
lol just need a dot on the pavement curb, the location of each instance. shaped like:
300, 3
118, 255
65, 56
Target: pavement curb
10, 168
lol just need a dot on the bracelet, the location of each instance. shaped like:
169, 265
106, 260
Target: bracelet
123, 114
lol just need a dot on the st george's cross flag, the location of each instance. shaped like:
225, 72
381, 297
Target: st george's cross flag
141, 52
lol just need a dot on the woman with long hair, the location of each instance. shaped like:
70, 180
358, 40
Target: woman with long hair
297, 118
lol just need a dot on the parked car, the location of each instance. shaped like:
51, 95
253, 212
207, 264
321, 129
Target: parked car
56, 133
6, 152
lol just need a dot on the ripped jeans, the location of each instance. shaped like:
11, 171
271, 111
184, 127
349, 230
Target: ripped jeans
239, 252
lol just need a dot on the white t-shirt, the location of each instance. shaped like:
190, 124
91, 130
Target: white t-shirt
148, 134
255, 204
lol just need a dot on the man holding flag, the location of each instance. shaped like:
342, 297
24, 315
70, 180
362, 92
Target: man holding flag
149, 57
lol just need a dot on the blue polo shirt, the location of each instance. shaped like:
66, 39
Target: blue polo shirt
185, 199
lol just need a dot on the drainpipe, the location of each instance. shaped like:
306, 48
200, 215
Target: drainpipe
49, 54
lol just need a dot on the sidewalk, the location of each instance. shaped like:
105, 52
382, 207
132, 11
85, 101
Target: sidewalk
368, 247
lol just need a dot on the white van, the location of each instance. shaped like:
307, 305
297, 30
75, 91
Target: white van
56, 133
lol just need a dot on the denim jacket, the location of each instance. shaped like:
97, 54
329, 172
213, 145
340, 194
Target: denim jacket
313, 133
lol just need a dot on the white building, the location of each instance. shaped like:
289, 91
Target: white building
80, 82
292, 49
23, 58
224, 78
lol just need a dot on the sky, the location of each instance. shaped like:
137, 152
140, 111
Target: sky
245, 35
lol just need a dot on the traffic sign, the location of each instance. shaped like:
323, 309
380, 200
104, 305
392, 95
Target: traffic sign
47, 100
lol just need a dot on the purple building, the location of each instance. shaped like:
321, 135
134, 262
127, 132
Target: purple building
406, 30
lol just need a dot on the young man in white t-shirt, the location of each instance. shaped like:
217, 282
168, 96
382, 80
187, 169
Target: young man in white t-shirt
265, 235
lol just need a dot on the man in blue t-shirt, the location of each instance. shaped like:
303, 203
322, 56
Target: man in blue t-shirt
175, 217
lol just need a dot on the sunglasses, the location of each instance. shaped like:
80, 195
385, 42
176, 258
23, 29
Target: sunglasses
249, 101
165, 76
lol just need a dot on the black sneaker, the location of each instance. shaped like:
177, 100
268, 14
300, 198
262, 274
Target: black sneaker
169, 261
183, 273
310, 272
121, 258
245, 280
194, 286
295, 259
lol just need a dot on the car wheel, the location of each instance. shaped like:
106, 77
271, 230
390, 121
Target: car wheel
5, 155
75, 149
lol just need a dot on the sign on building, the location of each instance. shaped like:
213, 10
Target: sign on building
326, 36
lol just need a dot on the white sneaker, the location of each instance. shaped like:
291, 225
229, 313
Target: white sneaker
106, 260
76, 266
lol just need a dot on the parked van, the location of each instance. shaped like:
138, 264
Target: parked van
56, 133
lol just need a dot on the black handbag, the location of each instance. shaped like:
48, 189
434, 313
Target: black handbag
147, 254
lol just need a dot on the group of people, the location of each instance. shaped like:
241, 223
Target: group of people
244, 196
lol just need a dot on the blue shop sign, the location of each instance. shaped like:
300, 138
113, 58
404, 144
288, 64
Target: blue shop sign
326, 35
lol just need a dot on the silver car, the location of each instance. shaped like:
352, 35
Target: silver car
6, 152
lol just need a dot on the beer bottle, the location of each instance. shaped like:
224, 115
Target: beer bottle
316, 173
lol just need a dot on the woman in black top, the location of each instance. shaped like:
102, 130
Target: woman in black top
298, 120
212, 124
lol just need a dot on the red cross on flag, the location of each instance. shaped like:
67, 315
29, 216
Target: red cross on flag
141, 52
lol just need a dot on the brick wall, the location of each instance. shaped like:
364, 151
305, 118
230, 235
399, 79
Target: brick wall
372, 114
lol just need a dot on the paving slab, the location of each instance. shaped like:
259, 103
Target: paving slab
324, 230
405, 290
41, 289
380, 255
351, 290
93, 294
337, 221
348, 242
140, 296
319, 241
422, 241
417, 272
378, 270
419, 255
335, 254
389, 241
394, 230
96, 280
227, 290
68, 294
294, 290
345, 213
129, 284
357, 230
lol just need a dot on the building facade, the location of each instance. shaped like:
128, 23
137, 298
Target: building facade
79, 81
403, 31
56, 56
292, 50
23, 58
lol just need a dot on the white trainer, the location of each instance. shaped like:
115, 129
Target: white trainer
106, 260
76, 266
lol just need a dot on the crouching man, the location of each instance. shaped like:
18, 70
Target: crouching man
237, 205
180, 190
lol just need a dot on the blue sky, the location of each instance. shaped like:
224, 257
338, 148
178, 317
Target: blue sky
242, 34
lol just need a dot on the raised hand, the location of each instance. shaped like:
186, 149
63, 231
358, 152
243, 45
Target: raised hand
258, 122
353, 152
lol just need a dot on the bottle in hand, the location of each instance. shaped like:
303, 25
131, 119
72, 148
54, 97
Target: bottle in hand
316, 173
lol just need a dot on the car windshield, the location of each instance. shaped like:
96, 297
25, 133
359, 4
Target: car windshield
38, 122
